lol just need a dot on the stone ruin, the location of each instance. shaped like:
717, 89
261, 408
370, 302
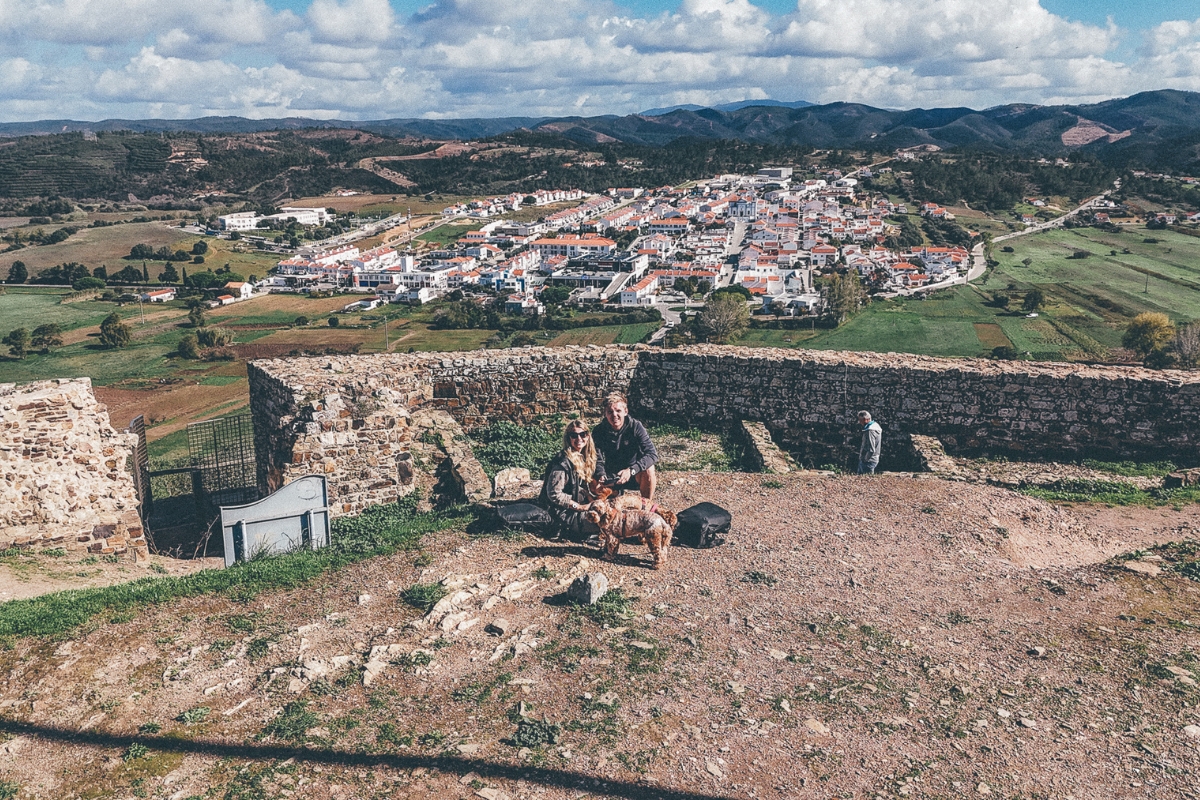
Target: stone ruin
380, 426
64, 480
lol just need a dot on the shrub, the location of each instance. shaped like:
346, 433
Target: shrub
423, 596
504, 444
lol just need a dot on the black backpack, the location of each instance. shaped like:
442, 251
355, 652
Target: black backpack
525, 517
701, 526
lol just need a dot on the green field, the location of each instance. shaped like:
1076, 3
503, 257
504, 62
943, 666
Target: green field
29, 308
607, 334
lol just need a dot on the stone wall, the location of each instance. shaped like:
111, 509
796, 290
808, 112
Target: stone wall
363, 420
368, 424
809, 400
63, 476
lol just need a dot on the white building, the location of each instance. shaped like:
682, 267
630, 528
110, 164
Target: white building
241, 221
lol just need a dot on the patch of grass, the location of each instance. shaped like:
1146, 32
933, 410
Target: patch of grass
957, 618
771, 483
423, 596
388, 733
1132, 469
543, 574
380, 530
8, 790
479, 691
292, 725
149, 728
431, 739
1115, 493
759, 578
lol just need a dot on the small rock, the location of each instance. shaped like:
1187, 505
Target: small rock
1028, 723
1036, 652
1000, 712
735, 687
816, 726
983, 788
642, 645
1143, 568
470, 776
588, 589
1192, 732
499, 627
778, 655
714, 770
363, 599
785, 706
491, 794
468, 749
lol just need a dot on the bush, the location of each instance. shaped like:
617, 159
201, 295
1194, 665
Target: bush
213, 337
334, 322
504, 444
1005, 353
83, 284
301, 320
189, 347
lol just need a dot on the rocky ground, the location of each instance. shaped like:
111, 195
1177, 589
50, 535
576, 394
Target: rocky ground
857, 637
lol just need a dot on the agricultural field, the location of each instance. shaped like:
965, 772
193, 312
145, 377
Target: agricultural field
94, 247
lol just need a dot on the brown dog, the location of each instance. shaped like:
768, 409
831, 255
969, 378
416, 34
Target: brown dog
620, 523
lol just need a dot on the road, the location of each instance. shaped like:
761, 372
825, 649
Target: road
1057, 222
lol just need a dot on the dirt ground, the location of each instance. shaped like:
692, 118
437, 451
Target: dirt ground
855, 638
33, 573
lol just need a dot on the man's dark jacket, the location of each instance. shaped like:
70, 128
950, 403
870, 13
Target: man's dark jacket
629, 447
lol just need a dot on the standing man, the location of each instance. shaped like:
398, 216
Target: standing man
626, 456
872, 440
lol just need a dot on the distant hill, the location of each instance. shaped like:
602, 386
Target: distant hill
658, 112
1142, 121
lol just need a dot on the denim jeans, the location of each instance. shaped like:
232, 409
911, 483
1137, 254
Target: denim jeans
867, 467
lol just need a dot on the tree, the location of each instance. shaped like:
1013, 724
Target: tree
1033, 300
46, 336
17, 273
168, 275
555, 294
735, 289
100, 272
196, 316
334, 322
846, 295
1149, 331
198, 259
141, 252
189, 346
18, 342
88, 282
724, 318
200, 248
184, 280
301, 320
213, 337
1186, 344
703, 286
145, 273
1000, 299
113, 332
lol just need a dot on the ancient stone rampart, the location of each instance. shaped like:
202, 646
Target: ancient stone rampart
365, 421
378, 426
809, 399
63, 476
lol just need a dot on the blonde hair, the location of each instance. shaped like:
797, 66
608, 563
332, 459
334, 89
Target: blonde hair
613, 398
584, 460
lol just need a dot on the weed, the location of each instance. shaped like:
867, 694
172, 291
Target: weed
242, 624
423, 596
321, 688
220, 646
122, 617
705, 592
159, 568
543, 574
423, 559
771, 483
149, 728
505, 444
957, 618
194, 716
759, 578
111, 559
8, 790
612, 609
1132, 469
929, 510
86, 560
257, 648
390, 734
478, 691
417, 658
568, 657
431, 739
532, 733
54, 552
292, 725
637, 762
136, 750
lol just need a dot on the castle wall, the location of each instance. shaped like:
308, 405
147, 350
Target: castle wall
366, 422
63, 476
351, 418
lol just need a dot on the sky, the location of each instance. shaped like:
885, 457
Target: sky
375, 59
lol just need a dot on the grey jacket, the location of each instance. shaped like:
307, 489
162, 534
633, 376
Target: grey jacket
872, 441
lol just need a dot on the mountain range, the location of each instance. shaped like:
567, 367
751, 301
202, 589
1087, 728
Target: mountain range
1145, 119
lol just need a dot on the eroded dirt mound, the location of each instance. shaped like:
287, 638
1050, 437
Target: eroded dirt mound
855, 638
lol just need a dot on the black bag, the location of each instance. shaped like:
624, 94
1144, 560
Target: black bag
525, 517
701, 525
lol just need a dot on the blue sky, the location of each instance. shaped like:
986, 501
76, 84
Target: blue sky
374, 59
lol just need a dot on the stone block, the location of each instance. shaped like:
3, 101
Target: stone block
588, 589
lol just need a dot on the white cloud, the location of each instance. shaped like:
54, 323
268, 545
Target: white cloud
357, 58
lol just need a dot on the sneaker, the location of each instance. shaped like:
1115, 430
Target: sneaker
593, 541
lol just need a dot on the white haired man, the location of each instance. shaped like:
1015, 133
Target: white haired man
872, 441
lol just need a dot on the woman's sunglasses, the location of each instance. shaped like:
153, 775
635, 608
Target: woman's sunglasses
578, 434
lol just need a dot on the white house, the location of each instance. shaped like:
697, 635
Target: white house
241, 221
240, 290
159, 296
640, 293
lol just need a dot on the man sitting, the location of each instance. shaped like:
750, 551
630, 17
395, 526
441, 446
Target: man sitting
626, 456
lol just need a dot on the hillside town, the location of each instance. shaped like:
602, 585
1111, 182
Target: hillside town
772, 233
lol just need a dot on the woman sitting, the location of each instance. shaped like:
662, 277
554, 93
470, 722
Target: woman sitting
566, 488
